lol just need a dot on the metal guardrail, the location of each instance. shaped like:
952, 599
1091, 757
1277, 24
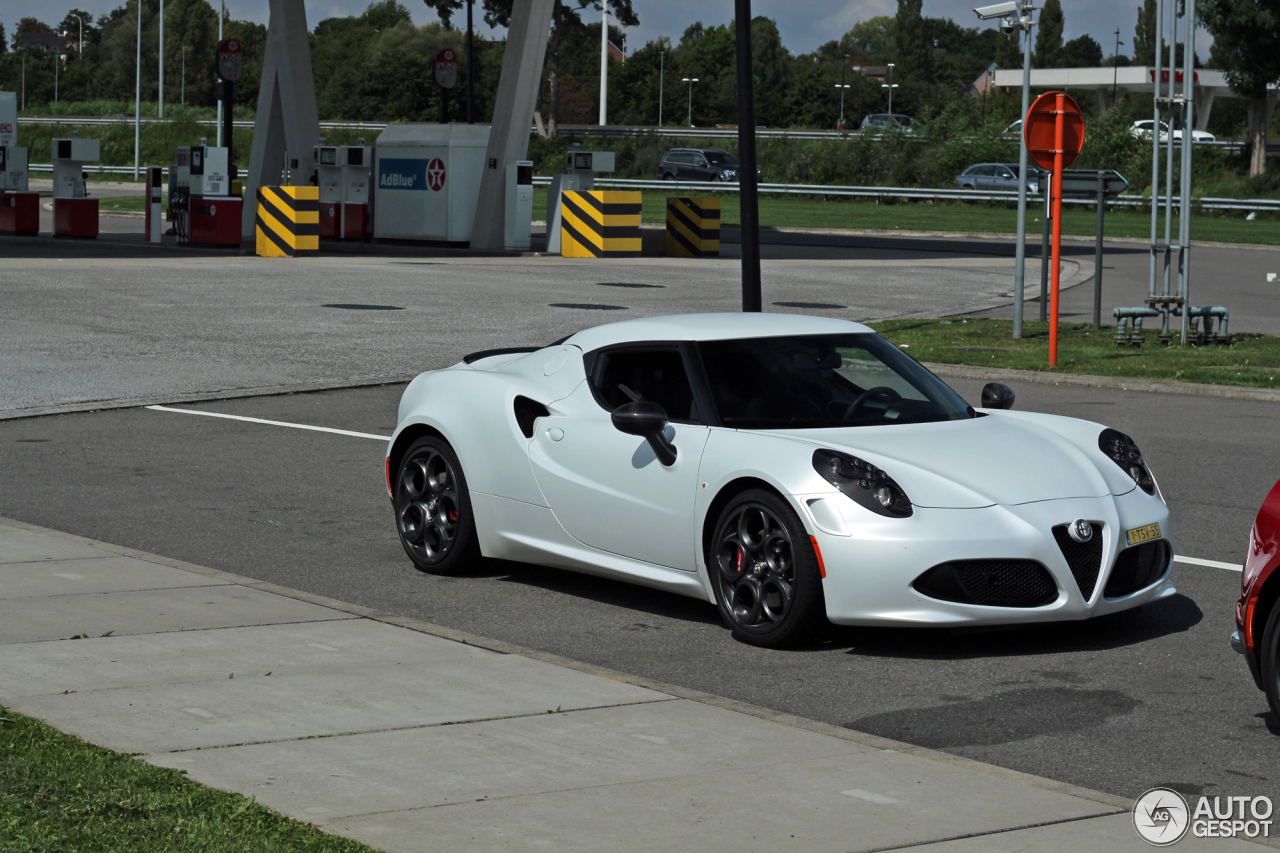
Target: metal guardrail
100, 120
909, 193
878, 193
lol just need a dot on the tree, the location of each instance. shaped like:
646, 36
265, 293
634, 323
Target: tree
874, 40
913, 51
1082, 52
4, 43
1049, 52
1009, 50
1245, 35
1144, 35
72, 28
445, 9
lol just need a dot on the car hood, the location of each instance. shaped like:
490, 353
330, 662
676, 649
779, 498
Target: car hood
994, 459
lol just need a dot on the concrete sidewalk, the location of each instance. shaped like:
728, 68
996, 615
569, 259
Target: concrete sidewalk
370, 725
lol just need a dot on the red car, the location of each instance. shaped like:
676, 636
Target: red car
1257, 634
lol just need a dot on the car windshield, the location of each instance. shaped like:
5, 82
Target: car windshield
817, 381
720, 158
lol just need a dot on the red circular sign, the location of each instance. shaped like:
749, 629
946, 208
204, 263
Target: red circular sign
435, 174
446, 68
230, 59
1039, 131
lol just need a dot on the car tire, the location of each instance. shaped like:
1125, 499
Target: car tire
1269, 660
764, 572
433, 509
668, 177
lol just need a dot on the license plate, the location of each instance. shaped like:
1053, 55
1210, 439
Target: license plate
1143, 534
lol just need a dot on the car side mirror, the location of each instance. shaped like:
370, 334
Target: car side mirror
997, 395
649, 421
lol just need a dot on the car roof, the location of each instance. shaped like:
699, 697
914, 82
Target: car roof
711, 327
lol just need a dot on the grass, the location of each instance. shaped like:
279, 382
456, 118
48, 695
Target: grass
60, 793
811, 212
1250, 360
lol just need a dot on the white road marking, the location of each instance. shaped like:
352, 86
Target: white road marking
878, 799
199, 712
1213, 564
322, 647
272, 423
1194, 561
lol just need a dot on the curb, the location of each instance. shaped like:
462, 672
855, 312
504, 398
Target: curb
1083, 380
1122, 804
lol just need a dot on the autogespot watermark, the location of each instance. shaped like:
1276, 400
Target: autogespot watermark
1162, 817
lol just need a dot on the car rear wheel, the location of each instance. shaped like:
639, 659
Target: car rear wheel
765, 572
1269, 660
668, 177
433, 509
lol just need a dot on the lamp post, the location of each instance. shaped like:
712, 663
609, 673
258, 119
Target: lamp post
184, 73
161, 96
690, 81
890, 86
604, 63
1115, 67
56, 62
662, 58
841, 87
1020, 20
222, 14
80, 50
137, 95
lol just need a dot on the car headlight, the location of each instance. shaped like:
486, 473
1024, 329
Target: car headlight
1121, 450
867, 485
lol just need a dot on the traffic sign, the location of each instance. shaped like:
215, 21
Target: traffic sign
1040, 128
230, 59
1083, 183
446, 68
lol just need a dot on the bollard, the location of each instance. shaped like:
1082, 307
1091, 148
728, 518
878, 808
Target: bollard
693, 227
600, 224
287, 223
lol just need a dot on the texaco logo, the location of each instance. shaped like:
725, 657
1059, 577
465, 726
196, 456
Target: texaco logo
435, 174
1161, 816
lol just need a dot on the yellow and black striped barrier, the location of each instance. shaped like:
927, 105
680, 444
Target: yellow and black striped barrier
287, 222
693, 227
600, 224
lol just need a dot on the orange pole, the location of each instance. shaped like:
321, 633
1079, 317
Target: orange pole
1055, 200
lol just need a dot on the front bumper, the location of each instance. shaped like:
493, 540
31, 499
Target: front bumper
871, 561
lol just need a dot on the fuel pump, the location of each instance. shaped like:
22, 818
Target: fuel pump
213, 212
580, 175
155, 180
19, 209
342, 174
75, 214
519, 206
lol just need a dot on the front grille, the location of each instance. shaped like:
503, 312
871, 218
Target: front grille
993, 583
1137, 568
1084, 558
528, 411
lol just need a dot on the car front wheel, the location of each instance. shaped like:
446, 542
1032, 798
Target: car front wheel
1269, 660
433, 509
765, 572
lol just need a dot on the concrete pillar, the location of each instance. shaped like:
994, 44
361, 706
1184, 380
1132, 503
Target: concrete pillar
1204, 105
287, 119
1104, 100
512, 115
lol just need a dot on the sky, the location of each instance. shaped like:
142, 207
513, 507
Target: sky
804, 24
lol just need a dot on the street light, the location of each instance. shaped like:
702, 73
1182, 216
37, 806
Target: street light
184, 73
56, 59
690, 81
1017, 16
890, 86
80, 51
1115, 67
842, 87
662, 58
161, 59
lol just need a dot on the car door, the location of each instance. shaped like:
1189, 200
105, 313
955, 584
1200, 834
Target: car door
701, 169
1004, 179
684, 163
982, 177
607, 488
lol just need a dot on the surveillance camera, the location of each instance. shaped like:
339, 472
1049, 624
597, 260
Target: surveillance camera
1010, 25
999, 10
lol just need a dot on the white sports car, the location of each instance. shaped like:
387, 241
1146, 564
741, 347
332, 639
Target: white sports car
788, 468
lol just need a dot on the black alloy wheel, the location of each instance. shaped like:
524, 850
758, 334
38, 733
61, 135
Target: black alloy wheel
433, 509
765, 572
1269, 660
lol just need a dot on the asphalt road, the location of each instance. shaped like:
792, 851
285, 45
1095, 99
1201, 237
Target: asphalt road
1119, 704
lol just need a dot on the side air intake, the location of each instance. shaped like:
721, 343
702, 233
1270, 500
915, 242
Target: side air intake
528, 411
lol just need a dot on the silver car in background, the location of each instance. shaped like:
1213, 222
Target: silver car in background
996, 176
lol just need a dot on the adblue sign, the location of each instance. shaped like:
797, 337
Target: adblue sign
397, 173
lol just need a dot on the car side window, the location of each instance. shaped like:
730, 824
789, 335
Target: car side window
657, 375
699, 160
